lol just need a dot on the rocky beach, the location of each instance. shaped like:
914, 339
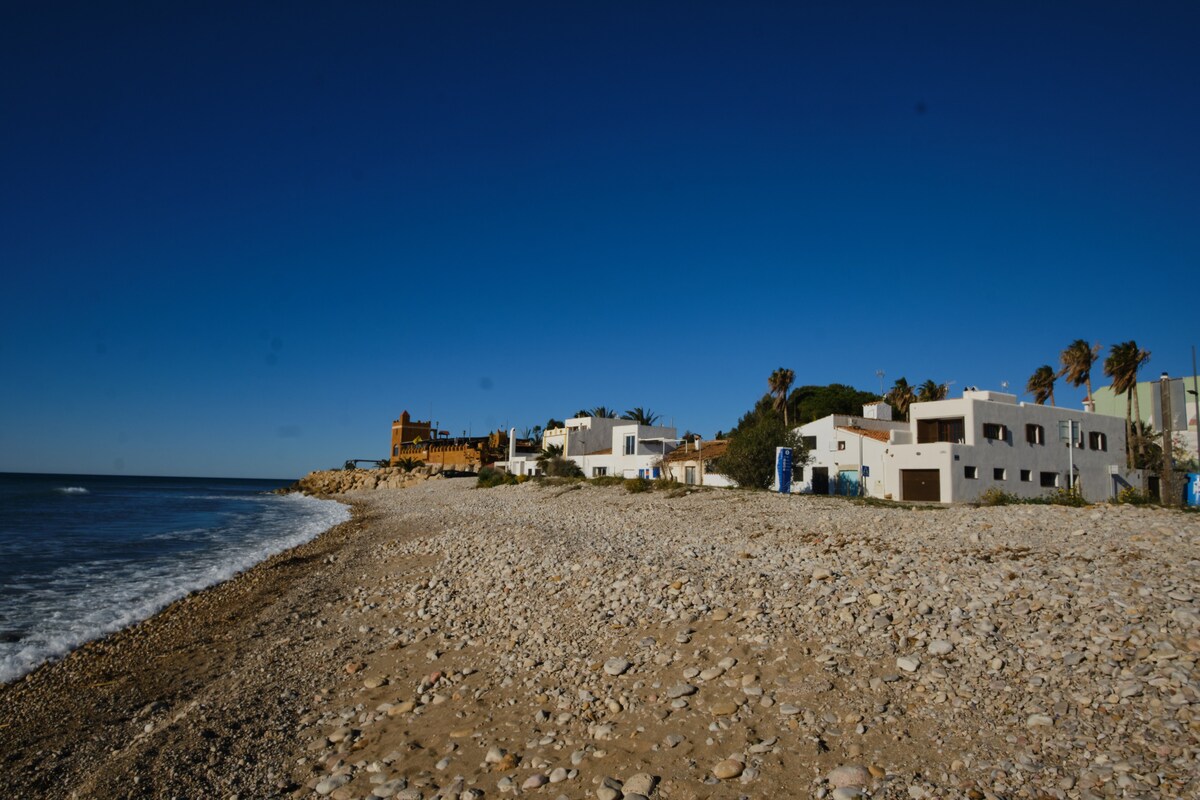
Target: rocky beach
578, 641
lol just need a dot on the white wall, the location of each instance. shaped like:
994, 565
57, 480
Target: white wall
1012, 454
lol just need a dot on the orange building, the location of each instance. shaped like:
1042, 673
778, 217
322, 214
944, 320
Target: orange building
418, 440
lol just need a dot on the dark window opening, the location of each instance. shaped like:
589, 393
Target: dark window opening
941, 430
1035, 434
1049, 480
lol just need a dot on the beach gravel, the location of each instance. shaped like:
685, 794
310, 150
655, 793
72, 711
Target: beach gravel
544, 640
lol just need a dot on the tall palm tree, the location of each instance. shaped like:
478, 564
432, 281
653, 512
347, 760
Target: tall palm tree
1077, 360
583, 412
931, 390
779, 383
900, 397
602, 412
1122, 365
642, 416
1041, 385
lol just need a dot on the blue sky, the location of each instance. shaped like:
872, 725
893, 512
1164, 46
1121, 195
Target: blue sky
240, 239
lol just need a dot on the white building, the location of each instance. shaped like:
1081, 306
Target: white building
604, 446
846, 453
955, 450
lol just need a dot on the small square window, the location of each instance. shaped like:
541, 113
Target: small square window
970, 472
1049, 480
1027, 475
1097, 441
841, 445
1000, 474
992, 430
1035, 434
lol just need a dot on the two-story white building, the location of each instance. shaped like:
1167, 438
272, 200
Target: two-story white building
604, 446
955, 450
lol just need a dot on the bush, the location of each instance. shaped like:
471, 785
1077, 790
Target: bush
637, 485
608, 480
559, 467
1066, 497
1133, 497
998, 497
749, 460
489, 477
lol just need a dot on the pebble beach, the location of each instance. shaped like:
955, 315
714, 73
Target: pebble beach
578, 641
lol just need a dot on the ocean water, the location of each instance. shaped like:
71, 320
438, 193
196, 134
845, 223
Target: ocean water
82, 556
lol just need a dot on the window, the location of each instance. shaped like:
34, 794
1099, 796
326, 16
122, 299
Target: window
395, 450
940, 430
992, 430
841, 445
1027, 475
970, 472
1035, 434
689, 475
1097, 441
600, 472
1049, 479
999, 474
809, 442
630, 444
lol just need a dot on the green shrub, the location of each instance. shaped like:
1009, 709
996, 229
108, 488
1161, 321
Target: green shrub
490, 477
1133, 497
636, 485
559, 467
608, 480
749, 460
998, 497
1067, 497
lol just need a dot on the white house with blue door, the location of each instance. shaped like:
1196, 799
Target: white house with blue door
846, 452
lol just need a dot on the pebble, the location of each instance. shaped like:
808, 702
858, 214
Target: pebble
908, 663
729, 768
849, 775
940, 647
616, 666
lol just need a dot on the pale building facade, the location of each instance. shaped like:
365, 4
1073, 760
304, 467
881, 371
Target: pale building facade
954, 450
846, 453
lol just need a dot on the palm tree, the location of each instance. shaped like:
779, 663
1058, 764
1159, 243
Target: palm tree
642, 416
779, 383
1041, 385
1122, 365
548, 454
900, 397
409, 464
602, 412
931, 390
1077, 361
583, 412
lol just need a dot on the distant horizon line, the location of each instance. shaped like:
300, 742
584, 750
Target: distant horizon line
125, 475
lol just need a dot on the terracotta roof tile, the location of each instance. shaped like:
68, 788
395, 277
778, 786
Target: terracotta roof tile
708, 451
879, 436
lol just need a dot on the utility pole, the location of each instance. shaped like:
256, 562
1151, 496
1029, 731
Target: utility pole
1167, 481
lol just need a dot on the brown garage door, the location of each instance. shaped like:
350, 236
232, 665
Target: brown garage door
921, 484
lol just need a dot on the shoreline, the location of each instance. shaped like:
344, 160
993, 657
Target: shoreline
459, 643
151, 673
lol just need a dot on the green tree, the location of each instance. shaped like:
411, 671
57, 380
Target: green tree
409, 464
553, 464
1041, 384
931, 390
642, 416
1122, 365
749, 459
901, 397
602, 412
553, 423
808, 403
1077, 361
779, 383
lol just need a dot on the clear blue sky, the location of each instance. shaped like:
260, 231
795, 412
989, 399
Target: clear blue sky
240, 239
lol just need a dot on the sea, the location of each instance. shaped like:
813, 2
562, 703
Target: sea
82, 556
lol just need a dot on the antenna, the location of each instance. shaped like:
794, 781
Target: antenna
879, 374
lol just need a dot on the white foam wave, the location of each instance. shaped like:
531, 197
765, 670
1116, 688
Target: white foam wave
72, 490
87, 601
